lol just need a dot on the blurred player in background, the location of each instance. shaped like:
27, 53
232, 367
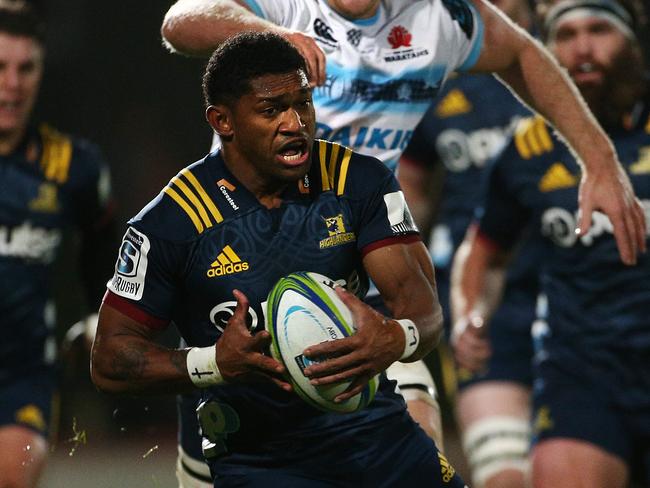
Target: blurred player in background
263, 201
472, 119
48, 182
592, 369
377, 66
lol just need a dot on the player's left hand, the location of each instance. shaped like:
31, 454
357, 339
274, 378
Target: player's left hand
611, 192
377, 344
471, 344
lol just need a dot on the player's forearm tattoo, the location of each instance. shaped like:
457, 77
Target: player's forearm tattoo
179, 360
130, 362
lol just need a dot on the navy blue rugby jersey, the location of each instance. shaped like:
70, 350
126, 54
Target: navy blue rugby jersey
465, 130
598, 308
50, 182
206, 234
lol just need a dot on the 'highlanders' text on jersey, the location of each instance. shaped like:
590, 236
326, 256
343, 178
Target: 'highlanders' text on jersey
382, 72
597, 307
206, 234
50, 182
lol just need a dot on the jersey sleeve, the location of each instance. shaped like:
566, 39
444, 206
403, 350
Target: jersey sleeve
502, 216
461, 30
287, 13
145, 284
383, 215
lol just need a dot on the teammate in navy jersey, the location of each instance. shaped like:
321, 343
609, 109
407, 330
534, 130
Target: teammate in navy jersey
441, 173
273, 200
48, 182
591, 391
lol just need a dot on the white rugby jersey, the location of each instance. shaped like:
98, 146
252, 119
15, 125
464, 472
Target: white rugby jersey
382, 72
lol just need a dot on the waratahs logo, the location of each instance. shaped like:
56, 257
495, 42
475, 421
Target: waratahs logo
399, 37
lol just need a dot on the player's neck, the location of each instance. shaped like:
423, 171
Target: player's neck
9, 141
268, 193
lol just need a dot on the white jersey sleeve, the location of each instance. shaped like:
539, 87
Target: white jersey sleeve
382, 72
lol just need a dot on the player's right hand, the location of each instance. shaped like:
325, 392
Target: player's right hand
240, 354
313, 55
472, 348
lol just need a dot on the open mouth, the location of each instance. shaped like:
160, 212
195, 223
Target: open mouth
586, 72
294, 153
8, 106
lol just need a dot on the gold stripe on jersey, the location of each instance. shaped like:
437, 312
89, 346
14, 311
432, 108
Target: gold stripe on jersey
334, 165
331, 170
193, 199
56, 154
322, 156
532, 137
203, 194
343, 172
185, 206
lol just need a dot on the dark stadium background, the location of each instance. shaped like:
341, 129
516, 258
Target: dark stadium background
109, 79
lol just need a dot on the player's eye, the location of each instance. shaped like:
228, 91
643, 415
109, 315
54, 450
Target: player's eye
270, 111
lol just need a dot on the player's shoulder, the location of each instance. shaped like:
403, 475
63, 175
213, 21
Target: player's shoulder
185, 208
346, 172
65, 158
533, 138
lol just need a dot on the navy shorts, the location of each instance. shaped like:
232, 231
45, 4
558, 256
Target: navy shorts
189, 436
29, 400
579, 408
395, 454
512, 346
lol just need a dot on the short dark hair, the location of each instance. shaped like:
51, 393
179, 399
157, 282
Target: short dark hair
243, 58
19, 18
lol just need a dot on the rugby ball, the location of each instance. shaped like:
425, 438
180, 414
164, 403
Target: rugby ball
302, 310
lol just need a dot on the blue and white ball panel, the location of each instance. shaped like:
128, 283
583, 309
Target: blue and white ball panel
304, 310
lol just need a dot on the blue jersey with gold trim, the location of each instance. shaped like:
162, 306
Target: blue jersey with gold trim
206, 234
472, 120
597, 307
50, 182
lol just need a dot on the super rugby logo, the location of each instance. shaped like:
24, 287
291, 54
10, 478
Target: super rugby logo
131, 267
221, 313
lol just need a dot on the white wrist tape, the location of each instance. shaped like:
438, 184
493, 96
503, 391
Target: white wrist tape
411, 336
202, 367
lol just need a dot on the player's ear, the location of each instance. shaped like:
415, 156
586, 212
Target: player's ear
219, 118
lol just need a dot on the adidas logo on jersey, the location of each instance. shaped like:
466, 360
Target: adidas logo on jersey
556, 178
454, 103
227, 263
642, 166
